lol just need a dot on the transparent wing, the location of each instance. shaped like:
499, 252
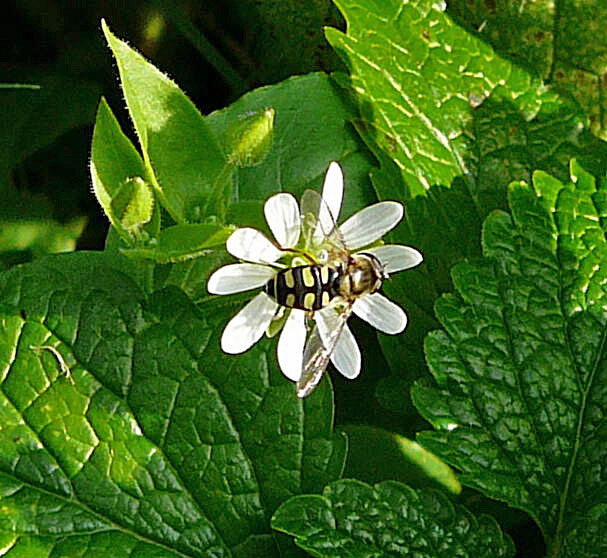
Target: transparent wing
319, 230
318, 353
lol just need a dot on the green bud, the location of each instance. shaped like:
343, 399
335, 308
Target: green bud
249, 139
133, 204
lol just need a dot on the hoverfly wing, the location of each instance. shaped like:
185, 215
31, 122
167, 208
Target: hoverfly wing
319, 229
318, 351
315, 361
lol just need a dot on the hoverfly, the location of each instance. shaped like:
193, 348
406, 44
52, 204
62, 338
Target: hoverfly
331, 276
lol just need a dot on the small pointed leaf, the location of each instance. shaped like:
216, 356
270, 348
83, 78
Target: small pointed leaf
118, 176
187, 165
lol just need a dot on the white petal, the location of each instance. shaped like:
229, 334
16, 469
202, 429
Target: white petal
371, 223
291, 345
332, 194
381, 313
252, 246
236, 278
396, 257
282, 215
247, 327
346, 355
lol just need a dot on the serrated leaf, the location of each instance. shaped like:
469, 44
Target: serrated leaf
440, 109
354, 519
156, 443
520, 367
190, 171
183, 242
119, 178
442, 104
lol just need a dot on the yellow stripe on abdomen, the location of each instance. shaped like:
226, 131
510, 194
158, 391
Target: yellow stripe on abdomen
307, 277
308, 301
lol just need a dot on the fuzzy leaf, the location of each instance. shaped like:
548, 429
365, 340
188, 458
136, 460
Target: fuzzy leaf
189, 167
521, 367
125, 431
119, 177
389, 519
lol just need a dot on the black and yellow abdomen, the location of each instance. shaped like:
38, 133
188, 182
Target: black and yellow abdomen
306, 287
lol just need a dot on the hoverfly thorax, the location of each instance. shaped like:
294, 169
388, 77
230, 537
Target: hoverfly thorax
363, 275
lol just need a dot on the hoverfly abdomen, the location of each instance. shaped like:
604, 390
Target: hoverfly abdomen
305, 287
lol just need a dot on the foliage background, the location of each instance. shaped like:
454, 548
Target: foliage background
218, 51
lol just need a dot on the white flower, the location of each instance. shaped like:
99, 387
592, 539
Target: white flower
264, 259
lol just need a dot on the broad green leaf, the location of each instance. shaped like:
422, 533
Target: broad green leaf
183, 242
188, 167
311, 129
559, 41
389, 519
374, 455
119, 179
126, 431
442, 104
520, 365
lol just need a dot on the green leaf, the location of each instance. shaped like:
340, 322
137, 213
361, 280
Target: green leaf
119, 178
354, 519
442, 104
183, 242
520, 367
156, 443
308, 135
557, 40
181, 153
